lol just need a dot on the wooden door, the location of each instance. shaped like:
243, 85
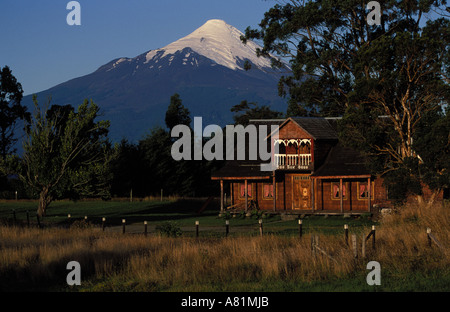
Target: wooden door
301, 195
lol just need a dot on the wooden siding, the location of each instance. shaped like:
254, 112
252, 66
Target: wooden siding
287, 198
292, 131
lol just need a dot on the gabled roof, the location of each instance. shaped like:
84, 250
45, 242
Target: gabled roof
241, 169
343, 161
317, 127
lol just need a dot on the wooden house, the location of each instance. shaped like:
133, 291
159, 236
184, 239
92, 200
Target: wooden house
313, 173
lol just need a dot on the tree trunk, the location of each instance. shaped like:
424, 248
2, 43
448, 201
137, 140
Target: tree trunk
428, 203
44, 200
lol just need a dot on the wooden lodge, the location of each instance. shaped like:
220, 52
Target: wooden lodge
312, 173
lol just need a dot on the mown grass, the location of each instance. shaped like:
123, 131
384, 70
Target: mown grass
36, 259
181, 212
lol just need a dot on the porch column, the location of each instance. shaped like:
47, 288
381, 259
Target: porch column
274, 192
246, 195
221, 195
313, 199
369, 191
340, 195
232, 193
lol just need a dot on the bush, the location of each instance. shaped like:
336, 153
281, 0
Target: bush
169, 229
80, 224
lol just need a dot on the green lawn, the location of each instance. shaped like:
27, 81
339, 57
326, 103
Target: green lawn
182, 213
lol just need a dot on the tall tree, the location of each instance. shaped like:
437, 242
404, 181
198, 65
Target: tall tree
127, 167
176, 113
398, 69
11, 110
246, 111
66, 153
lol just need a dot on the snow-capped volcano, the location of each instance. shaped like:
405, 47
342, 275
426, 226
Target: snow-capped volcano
217, 41
206, 68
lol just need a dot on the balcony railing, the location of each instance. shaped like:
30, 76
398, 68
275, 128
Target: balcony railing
292, 161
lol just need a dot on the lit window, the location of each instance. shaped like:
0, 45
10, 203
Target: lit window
268, 190
335, 190
363, 190
249, 190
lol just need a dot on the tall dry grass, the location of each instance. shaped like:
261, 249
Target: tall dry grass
37, 258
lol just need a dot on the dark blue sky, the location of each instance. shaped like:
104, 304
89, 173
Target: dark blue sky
43, 51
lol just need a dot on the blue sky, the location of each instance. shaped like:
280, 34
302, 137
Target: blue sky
43, 51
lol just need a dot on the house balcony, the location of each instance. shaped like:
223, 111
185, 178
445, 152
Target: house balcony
292, 161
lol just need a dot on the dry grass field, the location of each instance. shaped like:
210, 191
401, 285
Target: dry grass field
35, 259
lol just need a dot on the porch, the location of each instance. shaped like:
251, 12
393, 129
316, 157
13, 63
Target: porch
293, 154
292, 161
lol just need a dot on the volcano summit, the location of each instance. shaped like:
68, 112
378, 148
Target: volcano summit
206, 68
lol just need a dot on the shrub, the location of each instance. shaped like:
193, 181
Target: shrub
169, 229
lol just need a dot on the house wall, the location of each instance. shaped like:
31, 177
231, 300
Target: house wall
352, 201
292, 131
323, 195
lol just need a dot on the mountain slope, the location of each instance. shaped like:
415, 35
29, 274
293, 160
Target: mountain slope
206, 68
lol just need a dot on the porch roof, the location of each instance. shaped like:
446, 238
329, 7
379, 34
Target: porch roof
343, 162
241, 170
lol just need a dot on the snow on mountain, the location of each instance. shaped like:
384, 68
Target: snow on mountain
217, 41
206, 68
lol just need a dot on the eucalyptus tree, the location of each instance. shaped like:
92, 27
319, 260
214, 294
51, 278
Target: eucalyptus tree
382, 78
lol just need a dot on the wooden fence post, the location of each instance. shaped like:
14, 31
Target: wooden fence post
346, 233
227, 228
431, 239
428, 236
355, 246
363, 248
372, 233
300, 228
373, 237
313, 244
38, 221
260, 227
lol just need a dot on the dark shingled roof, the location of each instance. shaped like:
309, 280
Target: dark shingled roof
319, 128
240, 168
342, 161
